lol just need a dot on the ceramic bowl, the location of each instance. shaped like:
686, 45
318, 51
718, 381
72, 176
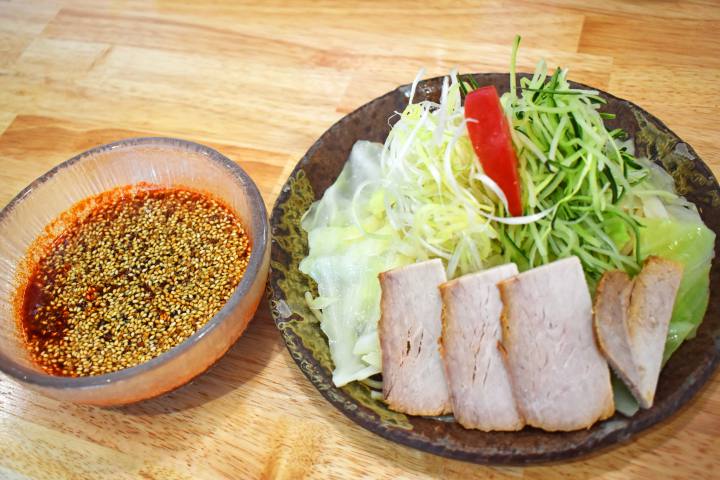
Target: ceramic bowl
163, 161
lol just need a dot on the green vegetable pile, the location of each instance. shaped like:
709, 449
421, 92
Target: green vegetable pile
574, 168
423, 195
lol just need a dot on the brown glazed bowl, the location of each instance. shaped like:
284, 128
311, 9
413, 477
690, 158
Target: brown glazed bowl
163, 161
682, 377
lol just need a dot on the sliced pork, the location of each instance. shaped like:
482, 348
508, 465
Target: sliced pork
632, 319
409, 329
651, 306
480, 388
612, 301
560, 379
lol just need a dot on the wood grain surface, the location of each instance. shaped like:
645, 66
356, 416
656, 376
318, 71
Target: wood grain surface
260, 81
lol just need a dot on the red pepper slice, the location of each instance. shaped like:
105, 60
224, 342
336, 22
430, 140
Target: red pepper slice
490, 137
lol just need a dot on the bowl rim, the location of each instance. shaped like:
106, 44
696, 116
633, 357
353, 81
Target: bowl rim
257, 224
335, 395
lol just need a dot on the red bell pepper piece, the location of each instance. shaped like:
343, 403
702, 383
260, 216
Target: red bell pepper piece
490, 137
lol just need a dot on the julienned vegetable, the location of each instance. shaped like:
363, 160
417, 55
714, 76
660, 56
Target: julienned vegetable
423, 195
574, 167
490, 135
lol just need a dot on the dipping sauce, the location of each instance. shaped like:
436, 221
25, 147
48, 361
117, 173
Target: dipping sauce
143, 271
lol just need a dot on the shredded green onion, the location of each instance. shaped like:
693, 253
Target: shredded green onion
571, 166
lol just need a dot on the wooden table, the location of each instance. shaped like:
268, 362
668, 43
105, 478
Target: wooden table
260, 82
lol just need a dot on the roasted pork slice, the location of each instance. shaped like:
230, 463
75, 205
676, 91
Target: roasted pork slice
651, 306
560, 379
612, 300
410, 325
631, 322
480, 388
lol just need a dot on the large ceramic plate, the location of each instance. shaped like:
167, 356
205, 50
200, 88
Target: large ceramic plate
685, 373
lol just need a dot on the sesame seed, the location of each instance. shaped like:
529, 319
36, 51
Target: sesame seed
140, 274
